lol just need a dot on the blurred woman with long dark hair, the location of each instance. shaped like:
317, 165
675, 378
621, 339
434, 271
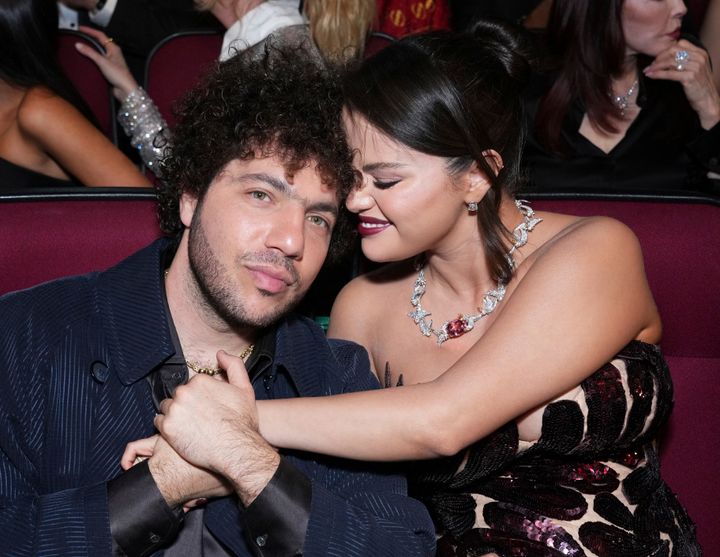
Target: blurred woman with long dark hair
47, 137
627, 103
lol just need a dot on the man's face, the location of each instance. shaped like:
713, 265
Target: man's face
258, 239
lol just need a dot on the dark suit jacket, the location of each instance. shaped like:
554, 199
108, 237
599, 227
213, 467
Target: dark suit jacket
74, 354
138, 25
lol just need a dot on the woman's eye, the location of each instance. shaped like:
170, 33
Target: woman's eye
384, 184
319, 221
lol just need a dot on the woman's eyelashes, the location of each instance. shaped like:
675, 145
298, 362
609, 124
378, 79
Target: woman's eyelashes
384, 184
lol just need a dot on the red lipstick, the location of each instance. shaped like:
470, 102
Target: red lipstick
368, 226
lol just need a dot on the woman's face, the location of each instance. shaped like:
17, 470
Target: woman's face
651, 26
408, 203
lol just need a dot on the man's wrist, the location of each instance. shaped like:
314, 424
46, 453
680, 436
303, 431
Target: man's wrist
167, 483
252, 470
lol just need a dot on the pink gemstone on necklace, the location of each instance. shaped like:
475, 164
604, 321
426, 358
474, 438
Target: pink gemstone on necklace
456, 327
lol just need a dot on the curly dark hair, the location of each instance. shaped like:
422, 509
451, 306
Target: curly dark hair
278, 100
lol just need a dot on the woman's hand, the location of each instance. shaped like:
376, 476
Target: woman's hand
138, 451
112, 64
694, 74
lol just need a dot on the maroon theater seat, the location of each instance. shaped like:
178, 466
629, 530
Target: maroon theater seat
679, 238
87, 78
176, 64
46, 236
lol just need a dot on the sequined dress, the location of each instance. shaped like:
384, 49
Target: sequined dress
590, 485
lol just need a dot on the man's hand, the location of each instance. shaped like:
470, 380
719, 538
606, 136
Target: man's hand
179, 481
214, 425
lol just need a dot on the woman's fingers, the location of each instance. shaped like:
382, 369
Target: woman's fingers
142, 448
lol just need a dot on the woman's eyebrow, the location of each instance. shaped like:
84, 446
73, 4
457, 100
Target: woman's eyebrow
381, 166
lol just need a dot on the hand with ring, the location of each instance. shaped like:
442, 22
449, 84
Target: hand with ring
689, 65
112, 64
681, 56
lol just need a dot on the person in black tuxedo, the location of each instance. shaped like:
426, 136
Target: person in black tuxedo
138, 25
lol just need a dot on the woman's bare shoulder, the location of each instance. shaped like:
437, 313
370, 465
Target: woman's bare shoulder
602, 254
41, 107
595, 234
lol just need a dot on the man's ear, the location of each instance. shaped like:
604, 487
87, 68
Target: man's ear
477, 181
188, 204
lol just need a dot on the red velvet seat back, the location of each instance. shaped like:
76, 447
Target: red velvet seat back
87, 78
681, 247
43, 239
176, 65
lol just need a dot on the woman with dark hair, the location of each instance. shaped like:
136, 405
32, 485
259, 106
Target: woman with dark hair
630, 105
534, 405
46, 135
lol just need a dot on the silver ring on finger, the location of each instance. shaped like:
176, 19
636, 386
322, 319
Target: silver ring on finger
681, 56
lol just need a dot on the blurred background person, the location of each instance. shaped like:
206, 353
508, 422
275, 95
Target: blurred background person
629, 104
136, 25
337, 28
47, 137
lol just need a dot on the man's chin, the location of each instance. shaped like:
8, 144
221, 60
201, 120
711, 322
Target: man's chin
263, 315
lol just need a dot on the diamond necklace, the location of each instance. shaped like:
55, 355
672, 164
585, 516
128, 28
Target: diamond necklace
462, 324
623, 101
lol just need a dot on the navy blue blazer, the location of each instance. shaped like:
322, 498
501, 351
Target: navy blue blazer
73, 357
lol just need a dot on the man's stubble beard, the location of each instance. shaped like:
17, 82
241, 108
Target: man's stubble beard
214, 284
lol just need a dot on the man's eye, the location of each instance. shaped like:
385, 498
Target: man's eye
384, 184
319, 221
259, 195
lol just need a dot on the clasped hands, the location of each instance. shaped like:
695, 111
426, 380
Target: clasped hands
209, 444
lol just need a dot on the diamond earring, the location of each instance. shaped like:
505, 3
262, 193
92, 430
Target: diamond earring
472, 207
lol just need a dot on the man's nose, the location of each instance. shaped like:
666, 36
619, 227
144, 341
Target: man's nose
287, 233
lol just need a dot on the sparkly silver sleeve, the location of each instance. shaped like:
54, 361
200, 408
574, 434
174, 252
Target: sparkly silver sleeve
146, 128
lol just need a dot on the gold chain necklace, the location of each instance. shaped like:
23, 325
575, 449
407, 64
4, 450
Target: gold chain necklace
211, 371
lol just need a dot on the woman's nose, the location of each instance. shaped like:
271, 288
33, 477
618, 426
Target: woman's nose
359, 198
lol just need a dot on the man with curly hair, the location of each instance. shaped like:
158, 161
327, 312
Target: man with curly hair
258, 170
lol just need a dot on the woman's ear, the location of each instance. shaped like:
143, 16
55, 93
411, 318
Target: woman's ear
477, 180
494, 160
188, 204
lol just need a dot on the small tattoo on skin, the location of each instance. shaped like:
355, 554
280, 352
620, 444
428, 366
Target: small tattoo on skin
388, 377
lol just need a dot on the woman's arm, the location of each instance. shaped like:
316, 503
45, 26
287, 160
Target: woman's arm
139, 117
112, 64
583, 300
75, 144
